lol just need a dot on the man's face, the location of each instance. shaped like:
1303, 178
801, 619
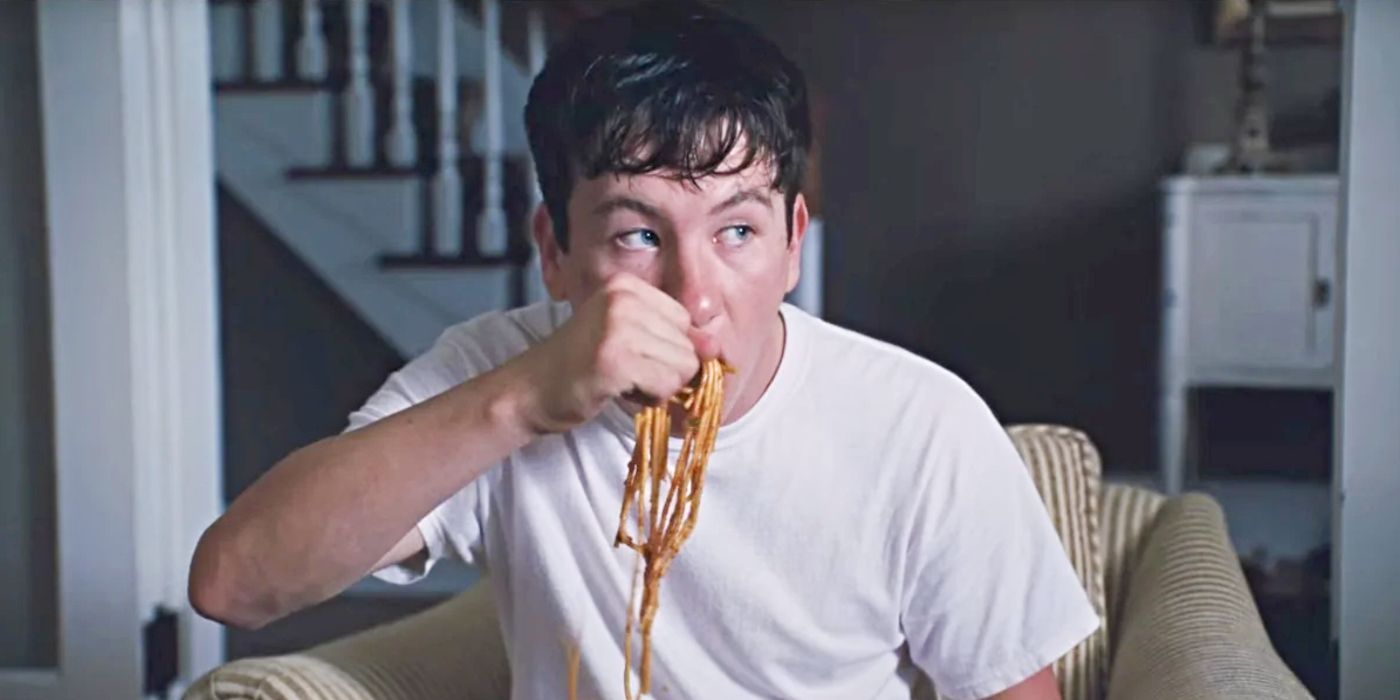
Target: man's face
719, 246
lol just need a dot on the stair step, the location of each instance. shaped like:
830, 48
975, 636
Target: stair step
278, 86
470, 167
517, 255
350, 172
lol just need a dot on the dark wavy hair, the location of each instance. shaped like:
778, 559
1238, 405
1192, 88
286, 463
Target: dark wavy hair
674, 87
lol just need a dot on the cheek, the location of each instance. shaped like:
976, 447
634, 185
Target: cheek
766, 274
756, 286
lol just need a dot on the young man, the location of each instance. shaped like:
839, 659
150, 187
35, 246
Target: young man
864, 516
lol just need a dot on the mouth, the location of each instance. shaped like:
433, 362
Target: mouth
640, 399
707, 346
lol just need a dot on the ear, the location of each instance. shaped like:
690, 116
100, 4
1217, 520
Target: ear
551, 256
800, 219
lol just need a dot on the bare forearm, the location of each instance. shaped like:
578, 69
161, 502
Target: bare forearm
323, 516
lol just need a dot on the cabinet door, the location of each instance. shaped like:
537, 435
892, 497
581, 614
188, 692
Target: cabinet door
1261, 284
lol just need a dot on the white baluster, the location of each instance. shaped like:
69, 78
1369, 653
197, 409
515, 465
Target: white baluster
311, 46
227, 41
447, 184
491, 226
358, 102
267, 40
535, 41
403, 147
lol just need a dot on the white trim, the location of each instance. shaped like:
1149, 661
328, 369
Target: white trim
127, 163
1367, 478
196, 468
172, 288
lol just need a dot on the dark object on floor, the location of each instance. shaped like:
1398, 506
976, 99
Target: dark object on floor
1294, 601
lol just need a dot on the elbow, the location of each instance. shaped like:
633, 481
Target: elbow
215, 590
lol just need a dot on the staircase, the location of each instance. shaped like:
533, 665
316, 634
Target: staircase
382, 142
329, 127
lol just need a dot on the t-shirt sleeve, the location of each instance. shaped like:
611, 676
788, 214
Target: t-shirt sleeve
454, 529
990, 596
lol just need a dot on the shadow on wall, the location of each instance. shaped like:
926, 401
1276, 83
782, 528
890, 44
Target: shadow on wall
990, 184
1054, 324
296, 358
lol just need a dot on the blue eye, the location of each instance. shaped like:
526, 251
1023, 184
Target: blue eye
735, 236
641, 239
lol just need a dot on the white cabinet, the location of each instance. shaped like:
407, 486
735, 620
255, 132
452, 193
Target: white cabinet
1248, 272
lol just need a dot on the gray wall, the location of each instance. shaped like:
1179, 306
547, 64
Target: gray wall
296, 360
989, 184
27, 566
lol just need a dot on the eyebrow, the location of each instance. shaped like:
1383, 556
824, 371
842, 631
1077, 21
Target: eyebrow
613, 204
751, 194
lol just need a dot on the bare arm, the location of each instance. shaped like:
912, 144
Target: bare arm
327, 514
339, 508
1041, 686
412, 545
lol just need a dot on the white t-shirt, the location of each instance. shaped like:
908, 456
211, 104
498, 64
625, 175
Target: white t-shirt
868, 516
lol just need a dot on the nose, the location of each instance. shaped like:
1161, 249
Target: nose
691, 280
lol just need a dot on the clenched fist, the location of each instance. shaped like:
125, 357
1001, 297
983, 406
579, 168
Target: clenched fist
628, 338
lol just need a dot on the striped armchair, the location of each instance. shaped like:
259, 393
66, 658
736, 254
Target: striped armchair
1180, 622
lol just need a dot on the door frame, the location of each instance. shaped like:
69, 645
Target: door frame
128, 178
1366, 481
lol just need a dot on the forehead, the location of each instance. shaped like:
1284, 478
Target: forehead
730, 175
670, 188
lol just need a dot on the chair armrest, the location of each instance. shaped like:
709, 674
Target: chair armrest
1190, 629
452, 650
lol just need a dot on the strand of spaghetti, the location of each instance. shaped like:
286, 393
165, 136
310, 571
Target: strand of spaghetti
571, 652
684, 477
692, 458
678, 479
709, 427
662, 526
631, 605
629, 487
667, 547
660, 431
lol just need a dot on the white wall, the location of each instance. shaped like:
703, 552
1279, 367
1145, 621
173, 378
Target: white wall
26, 462
1368, 404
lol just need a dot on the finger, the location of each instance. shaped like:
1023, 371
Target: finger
641, 397
682, 362
664, 335
670, 309
651, 324
657, 381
